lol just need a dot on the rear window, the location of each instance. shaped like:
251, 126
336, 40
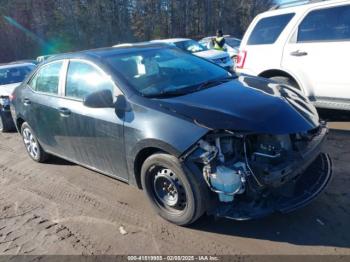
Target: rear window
268, 29
12, 75
329, 24
47, 78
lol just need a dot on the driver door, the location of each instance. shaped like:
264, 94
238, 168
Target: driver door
95, 134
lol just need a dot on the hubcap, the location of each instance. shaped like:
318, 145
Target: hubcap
30, 143
169, 189
1, 124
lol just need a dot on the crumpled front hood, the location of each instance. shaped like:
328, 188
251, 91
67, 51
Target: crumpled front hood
6, 90
211, 54
247, 104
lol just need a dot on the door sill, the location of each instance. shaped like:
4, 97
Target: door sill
332, 103
89, 167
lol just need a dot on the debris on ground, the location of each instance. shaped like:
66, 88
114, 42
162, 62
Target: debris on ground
122, 230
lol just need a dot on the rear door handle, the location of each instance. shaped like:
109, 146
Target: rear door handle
26, 101
298, 53
65, 112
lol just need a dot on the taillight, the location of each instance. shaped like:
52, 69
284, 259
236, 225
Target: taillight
241, 59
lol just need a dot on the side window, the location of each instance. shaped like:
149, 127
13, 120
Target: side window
84, 79
329, 24
268, 29
47, 78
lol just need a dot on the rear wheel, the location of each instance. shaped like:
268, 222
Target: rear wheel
176, 194
32, 145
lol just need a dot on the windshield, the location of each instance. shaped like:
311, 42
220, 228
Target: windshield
166, 71
190, 46
11, 75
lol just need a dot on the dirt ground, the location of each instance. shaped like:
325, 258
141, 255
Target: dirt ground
61, 208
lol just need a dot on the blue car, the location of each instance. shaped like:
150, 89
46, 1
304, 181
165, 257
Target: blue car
11, 76
195, 137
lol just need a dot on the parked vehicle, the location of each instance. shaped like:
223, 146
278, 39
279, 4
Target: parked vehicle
305, 46
231, 46
11, 75
218, 57
181, 128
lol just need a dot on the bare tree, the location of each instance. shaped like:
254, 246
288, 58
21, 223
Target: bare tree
37, 27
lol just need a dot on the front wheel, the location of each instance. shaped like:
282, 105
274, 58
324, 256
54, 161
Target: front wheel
32, 145
176, 194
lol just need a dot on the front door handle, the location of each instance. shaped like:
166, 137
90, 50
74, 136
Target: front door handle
26, 101
65, 112
298, 53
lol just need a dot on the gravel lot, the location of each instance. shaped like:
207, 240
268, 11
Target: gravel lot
61, 208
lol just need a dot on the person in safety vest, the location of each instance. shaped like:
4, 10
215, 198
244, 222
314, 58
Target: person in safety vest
219, 41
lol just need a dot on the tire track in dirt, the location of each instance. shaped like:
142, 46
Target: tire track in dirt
72, 197
26, 232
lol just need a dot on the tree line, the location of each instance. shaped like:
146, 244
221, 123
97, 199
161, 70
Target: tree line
29, 28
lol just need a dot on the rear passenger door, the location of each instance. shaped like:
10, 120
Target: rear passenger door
265, 42
319, 52
41, 102
95, 134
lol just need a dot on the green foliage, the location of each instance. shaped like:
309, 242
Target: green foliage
40, 27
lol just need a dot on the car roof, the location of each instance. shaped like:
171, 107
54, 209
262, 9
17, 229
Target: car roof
106, 51
15, 64
295, 6
170, 40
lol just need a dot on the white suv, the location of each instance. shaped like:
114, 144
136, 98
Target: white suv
306, 46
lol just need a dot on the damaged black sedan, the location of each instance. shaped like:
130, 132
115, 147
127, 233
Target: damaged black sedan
196, 138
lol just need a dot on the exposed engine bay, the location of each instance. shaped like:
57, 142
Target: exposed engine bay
250, 168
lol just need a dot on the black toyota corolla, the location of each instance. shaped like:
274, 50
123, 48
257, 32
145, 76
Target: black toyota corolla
196, 138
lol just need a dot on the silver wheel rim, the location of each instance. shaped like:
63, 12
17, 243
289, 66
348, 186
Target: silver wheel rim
30, 143
1, 124
169, 190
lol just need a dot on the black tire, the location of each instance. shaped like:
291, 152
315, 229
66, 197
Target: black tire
40, 155
285, 80
189, 189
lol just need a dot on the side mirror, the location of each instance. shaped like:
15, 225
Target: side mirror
122, 106
99, 99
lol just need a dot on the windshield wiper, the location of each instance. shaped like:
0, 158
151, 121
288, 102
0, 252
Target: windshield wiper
213, 82
190, 89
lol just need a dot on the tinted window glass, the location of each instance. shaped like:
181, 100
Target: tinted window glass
165, 71
47, 78
326, 24
268, 29
84, 79
16, 74
233, 42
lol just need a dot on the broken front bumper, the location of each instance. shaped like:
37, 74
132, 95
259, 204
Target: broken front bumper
307, 177
305, 189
